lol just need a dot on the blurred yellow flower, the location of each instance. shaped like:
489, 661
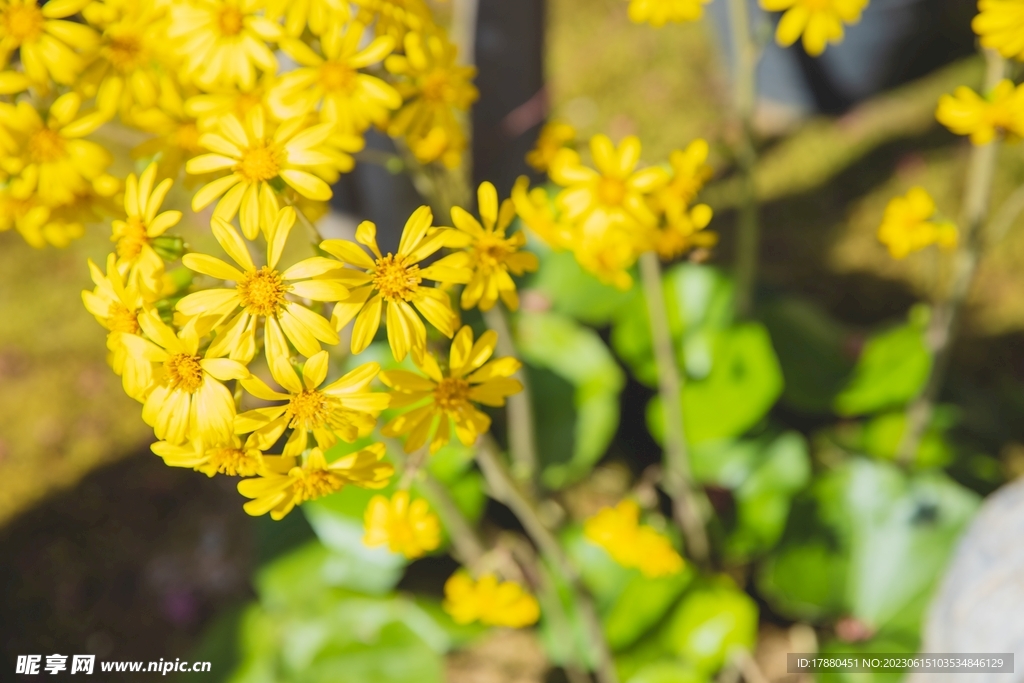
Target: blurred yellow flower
449, 396
316, 15
256, 155
553, 136
41, 225
820, 22
967, 113
209, 107
1000, 23
909, 225
631, 544
489, 601
222, 42
187, 400
492, 255
345, 408
395, 18
231, 457
351, 99
609, 255
657, 13
176, 131
392, 285
684, 233
285, 484
261, 292
133, 236
47, 41
405, 527
690, 171
538, 213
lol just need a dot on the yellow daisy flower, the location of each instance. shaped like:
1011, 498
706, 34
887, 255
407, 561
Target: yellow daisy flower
553, 136
690, 171
134, 235
345, 409
176, 131
256, 156
820, 22
405, 527
492, 255
434, 88
230, 457
392, 285
116, 306
684, 233
208, 108
612, 195
286, 484
489, 601
449, 397
54, 162
1000, 23
608, 256
223, 42
657, 13
47, 42
909, 225
538, 212
187, 400
333, 83
316, 15
631, 544
967, 113
261, 292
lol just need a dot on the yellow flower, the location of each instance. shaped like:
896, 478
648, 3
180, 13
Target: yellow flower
553, 136
261, 293
492, 255
392, 285
909, 225
631, 544
286, 484
208, 108
40, 225
333, 83
222, 42
820, 22
53, 161
608, 256
316, 15
538, 213
187, 400
488, 601
613, 195
395, 18
230, 457
684, 233
689, 173
346, 408
177, 132
47, 42
1000, 23
134, 235
434, 88
657, 13
405, 527
255, 155
967, 113
449, 397
116, 306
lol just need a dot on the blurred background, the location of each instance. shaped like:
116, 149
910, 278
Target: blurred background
104, 550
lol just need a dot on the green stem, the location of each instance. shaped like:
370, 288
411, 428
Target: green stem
945, 318
678, 480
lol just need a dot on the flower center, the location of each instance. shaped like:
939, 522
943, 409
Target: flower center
395, 280
124, 52
260, 162
309, 409
234, 462
186, 137
45, 146
314, 484
451, 394
337, 77
132, 238
229, 20
23, 23
437, 86
262, 291
491, 252
611, 191
184, 372
120, 318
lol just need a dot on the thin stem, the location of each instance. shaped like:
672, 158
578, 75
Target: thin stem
304, 219
678, 480
505, 489
522, 440
1004, 219
748, 237
942, 325
413, 464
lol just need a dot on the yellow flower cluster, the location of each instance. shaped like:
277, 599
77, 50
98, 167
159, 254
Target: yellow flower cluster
818, 22
1001, 112
406, 526
631, 544
910, 225
489, 601
612, 212
1000, 24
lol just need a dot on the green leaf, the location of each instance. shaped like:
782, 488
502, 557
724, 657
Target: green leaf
891, 371
577, 355
883, 434
875, 646
574, 292
603, 577
641, 605
709, 624
667, 672
804, 581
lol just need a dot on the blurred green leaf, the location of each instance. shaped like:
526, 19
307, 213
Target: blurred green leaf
641, 605
709, 623
578, 355
883, 433
573, 291
804, 581
890, 372
875, 646
667, 672
603, 577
